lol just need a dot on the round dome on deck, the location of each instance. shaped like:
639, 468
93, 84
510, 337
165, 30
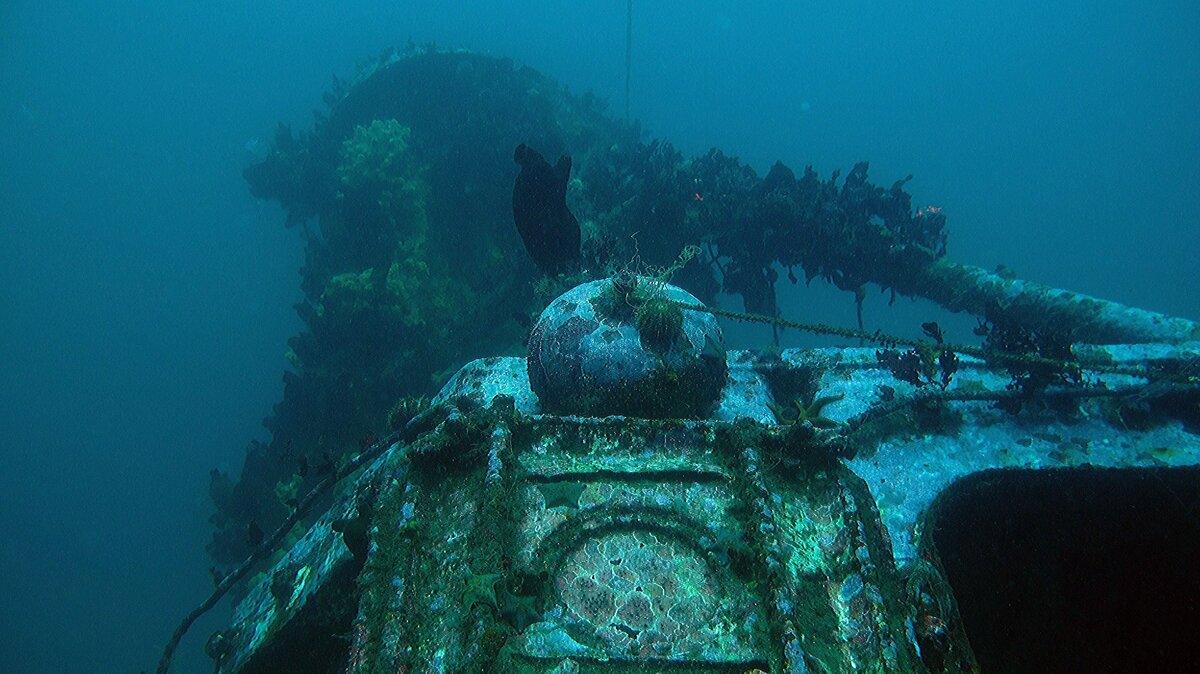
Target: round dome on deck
626, 347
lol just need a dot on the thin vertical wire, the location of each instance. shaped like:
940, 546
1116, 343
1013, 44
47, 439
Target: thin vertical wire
628, 52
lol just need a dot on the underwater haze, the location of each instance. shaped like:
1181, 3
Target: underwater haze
147, 297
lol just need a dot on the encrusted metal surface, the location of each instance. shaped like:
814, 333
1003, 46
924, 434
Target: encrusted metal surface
507, 540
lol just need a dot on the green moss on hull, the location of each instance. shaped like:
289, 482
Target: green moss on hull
659, 323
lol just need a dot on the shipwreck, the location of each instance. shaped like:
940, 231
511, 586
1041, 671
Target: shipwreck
604, 487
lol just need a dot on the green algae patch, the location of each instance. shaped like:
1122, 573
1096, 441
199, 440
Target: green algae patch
377, 163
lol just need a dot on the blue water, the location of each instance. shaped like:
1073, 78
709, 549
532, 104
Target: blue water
146, 297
